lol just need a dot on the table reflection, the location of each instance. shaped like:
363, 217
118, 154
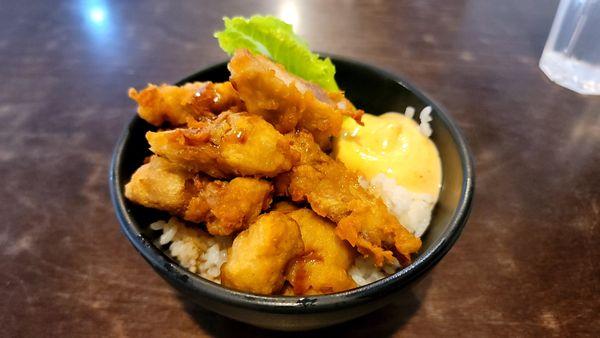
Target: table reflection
97, 18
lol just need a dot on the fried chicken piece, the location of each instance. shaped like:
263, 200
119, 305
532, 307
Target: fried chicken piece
285, 100
333, 191
234, 144
232, 205
285, 207
226, 207
178, 105
323, 266
160, 184
257, 260
229, 207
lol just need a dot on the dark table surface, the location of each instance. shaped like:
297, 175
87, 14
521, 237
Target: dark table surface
527, 263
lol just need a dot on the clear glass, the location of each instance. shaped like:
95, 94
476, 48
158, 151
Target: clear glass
571, 57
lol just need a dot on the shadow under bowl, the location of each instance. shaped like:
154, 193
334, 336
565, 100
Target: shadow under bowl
376, 92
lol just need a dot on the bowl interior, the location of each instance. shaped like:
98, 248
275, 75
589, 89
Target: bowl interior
368, 88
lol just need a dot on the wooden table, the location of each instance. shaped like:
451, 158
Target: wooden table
527, 263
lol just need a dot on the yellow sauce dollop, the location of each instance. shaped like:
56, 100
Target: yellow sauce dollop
391, 144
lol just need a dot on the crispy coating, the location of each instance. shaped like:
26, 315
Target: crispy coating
333, 191
285, 207
161, 185
235, 144
285, 100
178, 105
225, 207
323, 266
258, 258
229, 207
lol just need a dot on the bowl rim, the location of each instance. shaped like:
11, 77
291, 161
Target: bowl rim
304, 304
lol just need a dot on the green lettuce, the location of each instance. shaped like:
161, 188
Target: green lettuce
275, 39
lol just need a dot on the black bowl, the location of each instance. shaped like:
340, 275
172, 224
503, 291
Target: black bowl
368, 88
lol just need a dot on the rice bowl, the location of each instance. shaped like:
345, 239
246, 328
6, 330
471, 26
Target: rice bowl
301, 313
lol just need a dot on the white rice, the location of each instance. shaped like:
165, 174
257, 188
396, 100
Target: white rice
195, 250
204, 254
425, 118
364, 271
413, 210
409, 112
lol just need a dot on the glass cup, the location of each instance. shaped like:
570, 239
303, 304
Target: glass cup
571, 57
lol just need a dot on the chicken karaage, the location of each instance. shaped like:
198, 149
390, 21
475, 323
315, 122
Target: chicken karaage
223, 151
225, 207
259, 255
178, 105
234, 144
334, 192
323, 266
285, 100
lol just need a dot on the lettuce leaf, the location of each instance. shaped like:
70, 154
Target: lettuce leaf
275, 39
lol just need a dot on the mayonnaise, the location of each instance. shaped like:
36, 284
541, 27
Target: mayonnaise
393, 145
